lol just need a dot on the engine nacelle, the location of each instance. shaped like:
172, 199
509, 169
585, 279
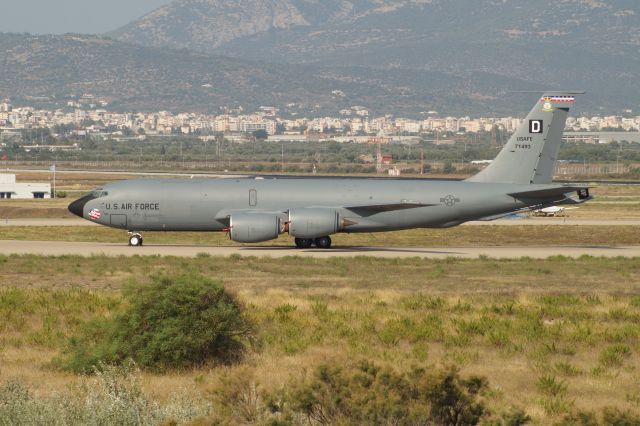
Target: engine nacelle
314, 222
254, 227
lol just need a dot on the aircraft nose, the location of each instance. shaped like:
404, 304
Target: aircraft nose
77, 207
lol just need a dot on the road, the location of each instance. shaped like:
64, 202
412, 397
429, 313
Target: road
502, 222
54, 248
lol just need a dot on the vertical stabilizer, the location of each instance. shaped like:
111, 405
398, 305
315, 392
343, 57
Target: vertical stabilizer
530, 155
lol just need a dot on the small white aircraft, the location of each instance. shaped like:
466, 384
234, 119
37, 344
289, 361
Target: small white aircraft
552, 211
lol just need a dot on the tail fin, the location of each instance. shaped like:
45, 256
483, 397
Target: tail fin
531, 153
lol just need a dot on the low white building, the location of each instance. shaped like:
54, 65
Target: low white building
9, 188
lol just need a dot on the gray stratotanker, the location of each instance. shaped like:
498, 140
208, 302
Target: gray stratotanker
311, 210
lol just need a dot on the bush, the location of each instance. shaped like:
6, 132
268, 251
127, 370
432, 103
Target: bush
171, 322
609, 417
362, 393
368, 394
614, 356
113, 396
448, 168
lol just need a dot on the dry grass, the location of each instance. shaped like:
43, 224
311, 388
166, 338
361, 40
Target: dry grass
261, 275
513, 321
28, 209
66, 181
464, 236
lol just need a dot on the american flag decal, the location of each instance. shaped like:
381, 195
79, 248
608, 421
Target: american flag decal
95, 214
559, 99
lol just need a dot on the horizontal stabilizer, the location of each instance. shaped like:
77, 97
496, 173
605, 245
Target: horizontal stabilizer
551, 192
381, 208
502, 215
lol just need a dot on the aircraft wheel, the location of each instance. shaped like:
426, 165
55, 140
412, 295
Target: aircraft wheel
135, 240
304, 242
323, 242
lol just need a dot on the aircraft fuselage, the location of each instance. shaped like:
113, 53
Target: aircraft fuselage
206, 205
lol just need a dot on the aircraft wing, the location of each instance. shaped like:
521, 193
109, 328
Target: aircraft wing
370, 210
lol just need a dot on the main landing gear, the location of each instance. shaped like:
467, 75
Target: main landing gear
321, 242
135, 239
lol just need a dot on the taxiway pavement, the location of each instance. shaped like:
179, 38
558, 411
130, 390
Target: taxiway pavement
56, 248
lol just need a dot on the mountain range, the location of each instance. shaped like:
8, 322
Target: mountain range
48, 70
392, 56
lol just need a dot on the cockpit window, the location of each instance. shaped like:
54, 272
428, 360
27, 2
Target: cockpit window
99, 192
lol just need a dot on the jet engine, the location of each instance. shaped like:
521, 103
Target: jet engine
314, 222
254, 227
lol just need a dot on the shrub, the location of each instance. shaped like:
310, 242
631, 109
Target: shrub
514, 417
548, 385
448, 168
238, 395
579, 418
362, 393
113, 396
454, 401
614, 416
614, 355
171, 322
609, 416
368, 394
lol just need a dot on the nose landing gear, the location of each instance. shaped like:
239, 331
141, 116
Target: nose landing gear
135, 239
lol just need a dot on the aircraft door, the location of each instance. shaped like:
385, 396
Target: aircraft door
253, 198
119, 220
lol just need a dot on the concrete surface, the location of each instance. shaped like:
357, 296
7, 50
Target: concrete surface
86, 249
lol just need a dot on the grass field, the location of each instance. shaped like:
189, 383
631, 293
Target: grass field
551, 336
511, 235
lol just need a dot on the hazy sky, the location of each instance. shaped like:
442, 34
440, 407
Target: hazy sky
71, 16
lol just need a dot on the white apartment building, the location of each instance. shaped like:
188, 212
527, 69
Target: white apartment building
251, 126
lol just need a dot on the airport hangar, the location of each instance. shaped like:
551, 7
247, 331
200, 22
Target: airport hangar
9, 188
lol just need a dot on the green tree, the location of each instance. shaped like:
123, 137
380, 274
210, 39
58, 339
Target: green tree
260, 134
171, 322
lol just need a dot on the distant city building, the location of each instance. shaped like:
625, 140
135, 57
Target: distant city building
267, 126
352, 124
601, 137
5, 106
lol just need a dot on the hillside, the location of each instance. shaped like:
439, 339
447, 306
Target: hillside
585, 44
50, 69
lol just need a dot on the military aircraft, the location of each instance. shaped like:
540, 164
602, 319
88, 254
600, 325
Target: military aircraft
253, 210
552, 211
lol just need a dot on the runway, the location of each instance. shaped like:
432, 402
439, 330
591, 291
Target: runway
54, 248
560, 221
